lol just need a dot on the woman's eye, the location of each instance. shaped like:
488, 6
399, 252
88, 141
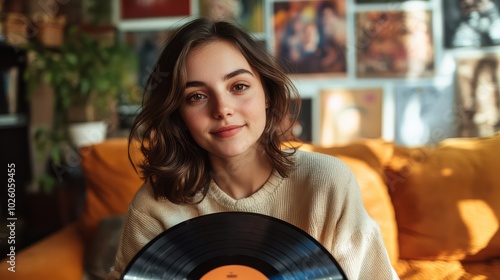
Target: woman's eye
196, 97
240, 87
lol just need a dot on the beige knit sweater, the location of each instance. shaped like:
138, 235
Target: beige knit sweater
321, 196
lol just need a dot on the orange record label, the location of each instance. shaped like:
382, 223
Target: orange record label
234, 272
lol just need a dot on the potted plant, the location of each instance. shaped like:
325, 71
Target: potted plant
86, 75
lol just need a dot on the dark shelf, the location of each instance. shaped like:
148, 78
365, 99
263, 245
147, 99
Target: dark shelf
11, 56
15, 145
13, 121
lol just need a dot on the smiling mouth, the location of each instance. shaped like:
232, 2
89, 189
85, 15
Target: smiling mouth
227, 131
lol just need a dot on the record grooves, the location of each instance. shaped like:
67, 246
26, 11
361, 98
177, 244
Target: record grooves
233, 241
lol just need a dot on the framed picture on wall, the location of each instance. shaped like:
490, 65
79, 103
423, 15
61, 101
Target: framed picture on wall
302, 129
350, 114
425, 115
247, 13
142, 9
384, 1
310, 36
394, 44
479, 95
471, 23
147, 46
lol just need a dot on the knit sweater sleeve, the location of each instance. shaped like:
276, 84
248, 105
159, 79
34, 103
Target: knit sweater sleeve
138, 229
359, 247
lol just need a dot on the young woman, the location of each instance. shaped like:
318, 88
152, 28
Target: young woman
211, 132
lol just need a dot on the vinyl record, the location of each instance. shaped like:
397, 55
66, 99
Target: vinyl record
233, 245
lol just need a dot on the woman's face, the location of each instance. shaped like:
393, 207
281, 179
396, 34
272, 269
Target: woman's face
223, 105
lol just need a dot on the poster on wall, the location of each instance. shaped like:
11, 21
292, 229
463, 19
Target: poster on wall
147, 46
310, 36
302, 128
394, 44
425, 115
247, 13
350, 114
141, 9
471, 23
479, 95
385, 1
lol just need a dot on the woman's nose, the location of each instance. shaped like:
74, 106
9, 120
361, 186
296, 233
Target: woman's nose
222, 107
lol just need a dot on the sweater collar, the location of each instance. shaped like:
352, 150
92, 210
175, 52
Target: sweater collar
263, 195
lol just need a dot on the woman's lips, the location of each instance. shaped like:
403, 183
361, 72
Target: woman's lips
227, 131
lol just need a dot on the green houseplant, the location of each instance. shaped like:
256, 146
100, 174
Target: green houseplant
86, 75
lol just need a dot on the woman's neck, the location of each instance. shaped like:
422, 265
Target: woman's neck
241, 176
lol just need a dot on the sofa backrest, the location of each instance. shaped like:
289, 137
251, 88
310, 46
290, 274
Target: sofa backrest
447, 199
110, 180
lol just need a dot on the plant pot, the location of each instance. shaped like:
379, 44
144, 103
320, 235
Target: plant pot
50, 30
87, 133
16, 29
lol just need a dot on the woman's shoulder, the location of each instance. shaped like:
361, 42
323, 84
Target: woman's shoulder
144, 193
318, 161
145, 201
325, 177
321, 167
169, 213
143, 197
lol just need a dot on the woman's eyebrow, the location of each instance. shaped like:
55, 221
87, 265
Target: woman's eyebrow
225, 78
236, 73
194, 84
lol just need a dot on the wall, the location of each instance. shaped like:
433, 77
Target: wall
419, 106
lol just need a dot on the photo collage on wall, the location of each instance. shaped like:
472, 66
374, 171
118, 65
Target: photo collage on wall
369, 65
475, 25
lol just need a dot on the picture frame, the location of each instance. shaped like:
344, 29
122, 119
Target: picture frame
471, 25
302, 128
394, 44
247, 13
147, 45
311, 36
478, 97
348, 114
146, 9
384, 1
424, 114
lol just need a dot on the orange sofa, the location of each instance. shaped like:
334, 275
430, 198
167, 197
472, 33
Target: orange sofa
438, 209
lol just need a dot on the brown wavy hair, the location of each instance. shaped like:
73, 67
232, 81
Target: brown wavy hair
174, 164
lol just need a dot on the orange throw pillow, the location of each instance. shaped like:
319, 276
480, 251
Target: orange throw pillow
111, 182
447, 199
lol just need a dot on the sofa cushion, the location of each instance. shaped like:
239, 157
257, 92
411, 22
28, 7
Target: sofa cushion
59, 256
110, 180
364, 158
447, 199
377, 153
449, 270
